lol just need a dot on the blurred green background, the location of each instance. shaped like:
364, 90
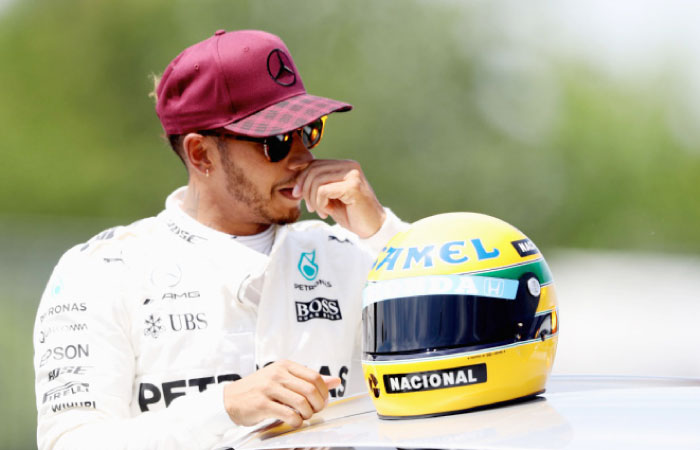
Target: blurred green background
577, 122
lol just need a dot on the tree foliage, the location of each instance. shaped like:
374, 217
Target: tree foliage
82, 137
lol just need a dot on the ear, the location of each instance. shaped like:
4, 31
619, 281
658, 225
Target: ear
197, 151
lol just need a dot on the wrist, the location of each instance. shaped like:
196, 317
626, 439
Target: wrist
389, 227
379, 218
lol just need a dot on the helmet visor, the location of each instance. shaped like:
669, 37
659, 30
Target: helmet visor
434, 322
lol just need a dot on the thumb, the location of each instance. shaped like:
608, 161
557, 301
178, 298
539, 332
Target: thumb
331, 382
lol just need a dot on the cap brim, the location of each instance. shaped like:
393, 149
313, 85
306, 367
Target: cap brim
287, 115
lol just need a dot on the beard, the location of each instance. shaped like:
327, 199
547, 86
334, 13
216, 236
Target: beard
240, 186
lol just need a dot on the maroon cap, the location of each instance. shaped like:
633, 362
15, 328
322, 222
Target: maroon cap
244, 81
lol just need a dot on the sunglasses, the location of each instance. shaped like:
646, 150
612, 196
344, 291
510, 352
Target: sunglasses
277, 147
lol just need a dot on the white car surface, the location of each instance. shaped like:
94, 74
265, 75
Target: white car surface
591, 412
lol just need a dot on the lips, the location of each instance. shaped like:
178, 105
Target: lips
288, 193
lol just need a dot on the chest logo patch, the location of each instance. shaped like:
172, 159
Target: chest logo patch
307, 265
318, 308
153, 326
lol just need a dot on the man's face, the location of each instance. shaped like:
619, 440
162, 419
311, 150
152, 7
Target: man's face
257, 190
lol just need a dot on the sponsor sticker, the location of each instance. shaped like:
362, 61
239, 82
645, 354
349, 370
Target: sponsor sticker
68, 328
435, 379
106, 234
153, 326
525, 247
174, 296
318, 308
337, 239
151, 394
184, 234
103, 236
180, 296
188, 321
67, 352
440, 285
453, 252
73, 370
63, 308
56, 287
307, 265
70, 405
311, 287
71, 388
374, 385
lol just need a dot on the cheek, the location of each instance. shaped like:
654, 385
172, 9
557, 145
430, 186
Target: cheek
249, 170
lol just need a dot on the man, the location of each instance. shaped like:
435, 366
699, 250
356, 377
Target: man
221, 311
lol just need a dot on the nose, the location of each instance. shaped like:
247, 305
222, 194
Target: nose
299, 156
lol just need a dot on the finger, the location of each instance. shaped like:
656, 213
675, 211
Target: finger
311, 376
302, 178
325, 205
314, 165
293, 400
331, 382
341, 191
285, 414
317, 178
322, 202
338, 211
307, 390
319, 172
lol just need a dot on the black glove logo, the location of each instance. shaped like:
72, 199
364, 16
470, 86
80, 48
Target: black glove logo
373, 385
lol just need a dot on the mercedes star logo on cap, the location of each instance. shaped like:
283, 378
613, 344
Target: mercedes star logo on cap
278, 66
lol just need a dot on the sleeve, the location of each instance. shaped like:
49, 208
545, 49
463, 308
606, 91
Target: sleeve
84, 366
392, 225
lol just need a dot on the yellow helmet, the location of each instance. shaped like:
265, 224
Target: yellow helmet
459, 312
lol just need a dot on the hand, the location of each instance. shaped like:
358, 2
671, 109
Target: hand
339, 189
283, 390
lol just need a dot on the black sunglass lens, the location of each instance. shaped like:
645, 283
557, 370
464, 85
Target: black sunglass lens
311, 133
278, 147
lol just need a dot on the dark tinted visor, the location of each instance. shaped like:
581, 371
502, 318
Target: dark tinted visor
434, 323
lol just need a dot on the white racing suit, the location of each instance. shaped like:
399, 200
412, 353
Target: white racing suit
139, 328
